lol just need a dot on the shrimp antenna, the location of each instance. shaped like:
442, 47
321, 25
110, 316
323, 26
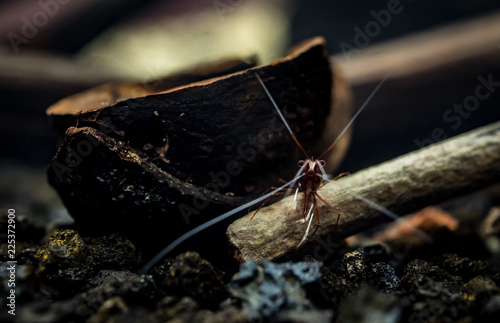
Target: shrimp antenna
281, 115
208, 224
356, 114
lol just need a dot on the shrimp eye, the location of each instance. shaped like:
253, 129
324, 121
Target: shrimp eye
301, 163
322, 163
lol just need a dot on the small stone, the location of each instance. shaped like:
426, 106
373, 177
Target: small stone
365, 266
463, 266
266, 290
68, 261
383, 277
114, 252
478, 291
190, 275
432, 293
353, 268
419, 270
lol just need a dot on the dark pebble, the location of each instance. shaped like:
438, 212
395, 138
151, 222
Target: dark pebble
277, 292
190, 275
68, 261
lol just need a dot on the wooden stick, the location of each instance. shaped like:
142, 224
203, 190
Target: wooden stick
459, 165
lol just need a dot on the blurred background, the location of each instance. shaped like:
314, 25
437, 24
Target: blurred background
438, 53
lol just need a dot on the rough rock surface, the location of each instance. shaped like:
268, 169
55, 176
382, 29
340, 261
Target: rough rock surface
268, 290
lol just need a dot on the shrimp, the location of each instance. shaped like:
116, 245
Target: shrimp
310, 177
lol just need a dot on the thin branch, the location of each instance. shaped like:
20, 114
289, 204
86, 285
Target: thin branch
447, 169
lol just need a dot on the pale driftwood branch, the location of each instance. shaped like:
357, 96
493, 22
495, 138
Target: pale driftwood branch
447, 169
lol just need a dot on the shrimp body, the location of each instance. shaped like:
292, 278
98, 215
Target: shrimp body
310, 181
